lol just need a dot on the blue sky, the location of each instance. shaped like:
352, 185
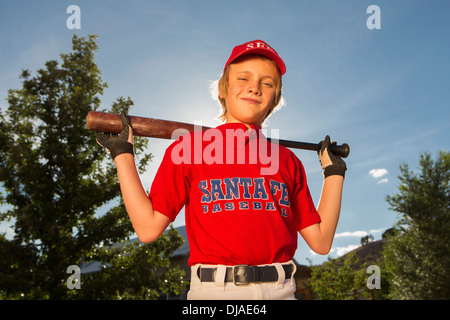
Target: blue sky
384, 91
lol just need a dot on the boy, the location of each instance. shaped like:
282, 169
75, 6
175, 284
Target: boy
241, 224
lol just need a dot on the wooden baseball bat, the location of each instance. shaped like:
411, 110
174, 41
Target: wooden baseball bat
163, 129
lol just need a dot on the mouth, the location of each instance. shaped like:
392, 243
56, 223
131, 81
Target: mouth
250, 100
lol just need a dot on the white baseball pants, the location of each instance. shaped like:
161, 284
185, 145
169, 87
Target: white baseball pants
283, 289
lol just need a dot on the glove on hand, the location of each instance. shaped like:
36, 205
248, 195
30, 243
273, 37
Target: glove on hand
117, 144
331, 164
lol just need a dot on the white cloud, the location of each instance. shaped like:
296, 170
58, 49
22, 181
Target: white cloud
358, 234
383, 180
378, 173
376, 230
340, 251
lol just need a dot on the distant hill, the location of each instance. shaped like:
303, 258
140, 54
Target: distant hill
370, 252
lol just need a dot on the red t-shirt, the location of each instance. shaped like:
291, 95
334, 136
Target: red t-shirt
245, 198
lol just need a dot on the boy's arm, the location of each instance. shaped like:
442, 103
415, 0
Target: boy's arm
147, 223
319, 236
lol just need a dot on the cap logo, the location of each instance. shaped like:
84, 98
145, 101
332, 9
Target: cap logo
258, 45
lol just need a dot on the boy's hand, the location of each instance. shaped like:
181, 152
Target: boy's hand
117, 144
331, 164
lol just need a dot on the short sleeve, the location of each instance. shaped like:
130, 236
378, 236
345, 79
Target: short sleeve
170, 188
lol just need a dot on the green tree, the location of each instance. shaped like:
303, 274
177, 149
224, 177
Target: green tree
338, 279
56, 177
366, 240
417, 255
145, 268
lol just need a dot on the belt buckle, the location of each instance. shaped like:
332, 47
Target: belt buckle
241, 283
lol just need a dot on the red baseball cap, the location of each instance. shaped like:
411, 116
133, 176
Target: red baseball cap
257, 47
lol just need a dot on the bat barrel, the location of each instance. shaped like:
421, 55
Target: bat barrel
143, 127
104, 122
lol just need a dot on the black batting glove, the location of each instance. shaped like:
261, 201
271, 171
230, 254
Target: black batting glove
117, 144
331, 164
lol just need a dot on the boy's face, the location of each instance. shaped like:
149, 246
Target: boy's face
252, 88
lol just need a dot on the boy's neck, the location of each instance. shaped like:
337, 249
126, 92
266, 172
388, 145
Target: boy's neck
247, 125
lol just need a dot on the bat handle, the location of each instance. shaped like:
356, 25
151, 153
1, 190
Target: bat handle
342, 150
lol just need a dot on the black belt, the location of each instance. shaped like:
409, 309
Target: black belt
243, 274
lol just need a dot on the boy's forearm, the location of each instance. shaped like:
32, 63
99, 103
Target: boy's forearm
137, 203
329, 207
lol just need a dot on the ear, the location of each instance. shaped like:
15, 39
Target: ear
221, 93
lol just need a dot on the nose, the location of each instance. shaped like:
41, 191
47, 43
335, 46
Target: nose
254, 87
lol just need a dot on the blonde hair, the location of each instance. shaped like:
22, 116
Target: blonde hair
221, 85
